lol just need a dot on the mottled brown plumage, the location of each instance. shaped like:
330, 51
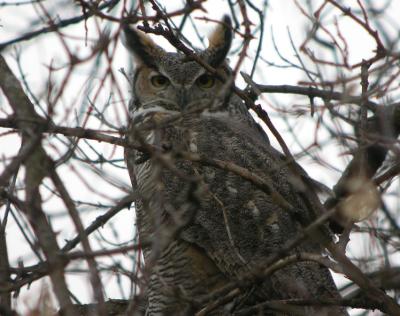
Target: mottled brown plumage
207, 226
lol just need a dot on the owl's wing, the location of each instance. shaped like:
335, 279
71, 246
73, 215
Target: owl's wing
233, 225
239, 225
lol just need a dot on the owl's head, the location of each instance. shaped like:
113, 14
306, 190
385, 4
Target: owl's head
168, 81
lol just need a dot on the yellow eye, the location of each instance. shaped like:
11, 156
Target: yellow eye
159, 81
205, 81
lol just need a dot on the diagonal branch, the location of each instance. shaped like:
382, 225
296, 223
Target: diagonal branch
57, 26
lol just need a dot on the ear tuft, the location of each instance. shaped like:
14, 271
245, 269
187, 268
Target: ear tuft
219, 42
142, 46
222, 33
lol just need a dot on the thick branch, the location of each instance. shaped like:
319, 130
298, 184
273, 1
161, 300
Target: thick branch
36, 170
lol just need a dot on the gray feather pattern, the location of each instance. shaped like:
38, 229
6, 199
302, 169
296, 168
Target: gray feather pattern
208, 226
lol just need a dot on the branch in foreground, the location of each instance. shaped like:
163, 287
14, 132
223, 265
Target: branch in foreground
57, 26
36, 170
363, 303
27, 275
307, 91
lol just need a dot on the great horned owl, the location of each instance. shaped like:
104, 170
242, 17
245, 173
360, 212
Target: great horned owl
201, 226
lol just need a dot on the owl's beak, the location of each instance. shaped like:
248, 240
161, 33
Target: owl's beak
183, 98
